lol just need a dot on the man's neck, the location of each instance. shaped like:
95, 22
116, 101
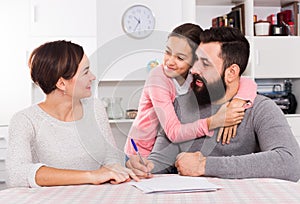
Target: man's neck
231, 91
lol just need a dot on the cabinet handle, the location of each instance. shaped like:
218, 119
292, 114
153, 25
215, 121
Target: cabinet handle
33, 14
257, 57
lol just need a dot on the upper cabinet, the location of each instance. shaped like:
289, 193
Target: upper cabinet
276, 57
71, 20
63, 18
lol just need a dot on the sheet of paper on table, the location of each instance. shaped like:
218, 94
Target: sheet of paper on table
175, 184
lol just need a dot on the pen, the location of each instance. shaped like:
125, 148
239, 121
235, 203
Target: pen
138, 153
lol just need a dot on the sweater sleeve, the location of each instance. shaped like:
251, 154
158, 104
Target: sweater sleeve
247, 91
279, 155
20, 168
164, 108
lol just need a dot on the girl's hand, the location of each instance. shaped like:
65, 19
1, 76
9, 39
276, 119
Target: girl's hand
230, 131
226, 116
138, 168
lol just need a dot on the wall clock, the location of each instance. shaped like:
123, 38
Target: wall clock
138, 21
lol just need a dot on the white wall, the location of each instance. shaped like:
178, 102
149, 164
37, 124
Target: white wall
14, 73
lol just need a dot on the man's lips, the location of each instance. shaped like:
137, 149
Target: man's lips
199, 83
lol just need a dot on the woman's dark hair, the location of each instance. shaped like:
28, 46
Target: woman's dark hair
235, 48
191, 32
53, 60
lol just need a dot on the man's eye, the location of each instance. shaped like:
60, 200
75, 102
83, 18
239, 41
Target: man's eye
205, 63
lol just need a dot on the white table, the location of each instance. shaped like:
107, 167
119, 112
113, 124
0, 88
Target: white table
234, 191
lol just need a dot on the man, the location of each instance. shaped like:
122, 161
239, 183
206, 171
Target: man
264, 145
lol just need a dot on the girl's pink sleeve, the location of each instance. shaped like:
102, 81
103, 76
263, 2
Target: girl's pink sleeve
164, 108
247, 91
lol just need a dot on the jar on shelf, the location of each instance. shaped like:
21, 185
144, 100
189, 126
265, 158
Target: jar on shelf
113, 107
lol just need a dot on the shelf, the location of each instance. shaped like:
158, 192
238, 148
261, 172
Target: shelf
121, 120
264, 3
261, 3
217, 2
292, 115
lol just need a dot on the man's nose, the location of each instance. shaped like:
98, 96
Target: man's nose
196, 69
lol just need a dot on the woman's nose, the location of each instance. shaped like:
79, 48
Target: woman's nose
93, 77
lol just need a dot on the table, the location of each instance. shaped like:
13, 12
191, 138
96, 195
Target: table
234, 191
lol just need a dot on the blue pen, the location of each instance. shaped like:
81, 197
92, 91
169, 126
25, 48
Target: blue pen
137, 152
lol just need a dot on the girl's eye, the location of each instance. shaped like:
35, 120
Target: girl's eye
167, 52
180, 58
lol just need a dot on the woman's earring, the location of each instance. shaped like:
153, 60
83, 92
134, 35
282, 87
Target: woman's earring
64, 92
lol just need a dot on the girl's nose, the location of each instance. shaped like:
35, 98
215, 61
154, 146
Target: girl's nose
171, 60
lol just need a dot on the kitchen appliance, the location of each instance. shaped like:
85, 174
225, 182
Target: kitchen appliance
285, 99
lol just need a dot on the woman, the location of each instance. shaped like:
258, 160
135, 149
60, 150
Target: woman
171, 79
66, 139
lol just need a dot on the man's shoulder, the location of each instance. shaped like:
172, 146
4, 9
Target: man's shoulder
264, 105
261, 100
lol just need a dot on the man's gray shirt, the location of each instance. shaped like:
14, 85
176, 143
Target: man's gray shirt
263, 147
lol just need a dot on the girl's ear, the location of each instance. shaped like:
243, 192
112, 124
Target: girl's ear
232, 73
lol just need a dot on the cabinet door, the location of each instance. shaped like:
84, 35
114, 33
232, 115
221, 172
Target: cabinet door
276, 57
63, 18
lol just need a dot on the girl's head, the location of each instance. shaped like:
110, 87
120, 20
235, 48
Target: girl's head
180, 49
52, 61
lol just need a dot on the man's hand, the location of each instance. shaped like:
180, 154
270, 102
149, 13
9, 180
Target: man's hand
138, 168
190, 164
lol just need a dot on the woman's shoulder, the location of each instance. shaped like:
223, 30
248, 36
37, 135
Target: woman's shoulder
32, 114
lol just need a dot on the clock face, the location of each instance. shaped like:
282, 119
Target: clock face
138, 21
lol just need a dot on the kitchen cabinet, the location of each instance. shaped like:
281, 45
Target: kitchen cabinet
3, 147
276, 57
70, 20
63, 18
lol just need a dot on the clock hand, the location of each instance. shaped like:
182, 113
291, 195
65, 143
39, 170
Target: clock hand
138, 20
136, 26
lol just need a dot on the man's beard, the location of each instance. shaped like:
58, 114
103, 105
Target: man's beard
208, 92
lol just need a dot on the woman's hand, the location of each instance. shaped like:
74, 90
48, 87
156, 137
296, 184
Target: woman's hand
114, 174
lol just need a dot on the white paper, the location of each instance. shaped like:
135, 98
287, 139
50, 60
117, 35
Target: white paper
174, 184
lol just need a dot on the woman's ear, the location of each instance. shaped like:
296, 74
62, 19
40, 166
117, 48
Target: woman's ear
61, 84
232, 73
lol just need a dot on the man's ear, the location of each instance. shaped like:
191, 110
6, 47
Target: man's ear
232, 73
61, 84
